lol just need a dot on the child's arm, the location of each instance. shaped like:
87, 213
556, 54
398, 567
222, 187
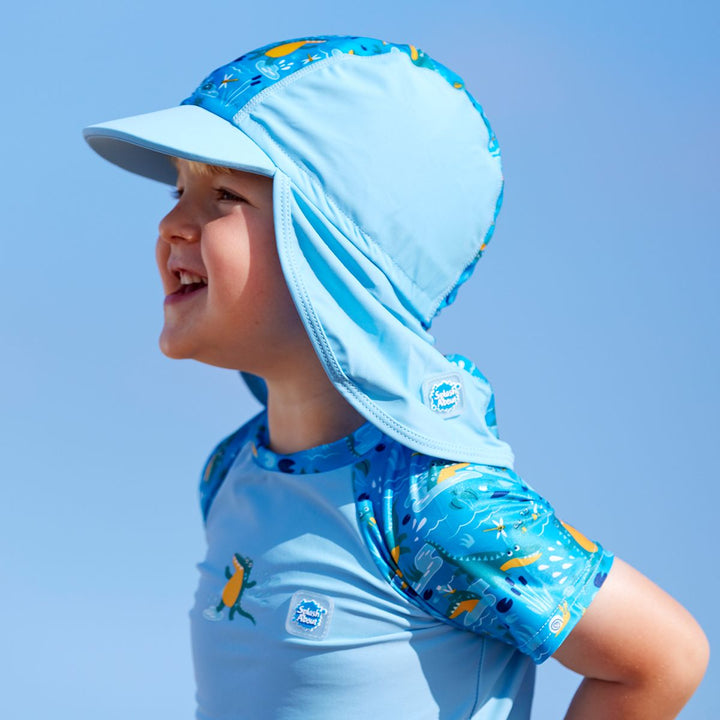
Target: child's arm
642, 654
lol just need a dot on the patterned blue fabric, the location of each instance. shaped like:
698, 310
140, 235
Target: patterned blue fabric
318, 459
314, 460
472, 545
219, 463
229, 88
235, 83
477, 547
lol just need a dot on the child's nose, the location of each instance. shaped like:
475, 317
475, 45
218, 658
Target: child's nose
178, 226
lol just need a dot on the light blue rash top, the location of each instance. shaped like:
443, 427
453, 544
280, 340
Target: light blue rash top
362, 580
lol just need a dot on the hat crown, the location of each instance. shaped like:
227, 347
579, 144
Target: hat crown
385, 140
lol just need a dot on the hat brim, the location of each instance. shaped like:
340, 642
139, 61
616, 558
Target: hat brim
144, 144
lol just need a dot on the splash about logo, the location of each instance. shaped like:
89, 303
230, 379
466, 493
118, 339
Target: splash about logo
443, 395
309, 615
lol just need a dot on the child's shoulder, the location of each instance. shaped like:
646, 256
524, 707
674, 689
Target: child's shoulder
429, 484
476, 546
221, 459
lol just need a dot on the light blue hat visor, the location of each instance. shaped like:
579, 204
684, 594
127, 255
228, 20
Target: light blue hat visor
144, 144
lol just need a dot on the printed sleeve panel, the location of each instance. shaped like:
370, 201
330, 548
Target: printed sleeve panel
476, 547
219, 463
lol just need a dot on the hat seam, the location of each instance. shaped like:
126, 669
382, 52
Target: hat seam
477, 254
289, 79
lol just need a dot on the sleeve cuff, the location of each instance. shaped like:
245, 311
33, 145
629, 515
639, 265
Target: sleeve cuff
567, 614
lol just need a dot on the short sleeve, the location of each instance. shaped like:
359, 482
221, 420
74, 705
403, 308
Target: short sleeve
475, 546
219, 463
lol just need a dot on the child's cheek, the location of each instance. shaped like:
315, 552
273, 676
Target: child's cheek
162, 254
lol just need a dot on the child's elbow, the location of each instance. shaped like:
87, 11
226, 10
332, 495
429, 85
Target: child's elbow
688, 661
672, 674
666, 677
638, 644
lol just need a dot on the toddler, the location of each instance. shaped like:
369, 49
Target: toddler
371, 552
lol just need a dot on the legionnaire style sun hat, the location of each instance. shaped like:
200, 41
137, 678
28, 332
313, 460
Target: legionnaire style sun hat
386, 186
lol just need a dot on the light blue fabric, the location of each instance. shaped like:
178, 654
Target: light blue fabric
446, 577
387, 184
293, 617
144, 144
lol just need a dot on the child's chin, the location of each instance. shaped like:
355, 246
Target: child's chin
173, 349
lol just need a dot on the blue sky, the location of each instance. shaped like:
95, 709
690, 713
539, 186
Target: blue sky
594, 314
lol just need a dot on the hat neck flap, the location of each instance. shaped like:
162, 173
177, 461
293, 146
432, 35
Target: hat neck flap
372, 351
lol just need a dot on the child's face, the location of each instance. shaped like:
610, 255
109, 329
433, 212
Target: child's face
226, 301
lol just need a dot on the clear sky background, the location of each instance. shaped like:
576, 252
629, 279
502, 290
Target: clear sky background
594, 314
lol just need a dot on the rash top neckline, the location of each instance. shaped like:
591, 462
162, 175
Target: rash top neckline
323, 458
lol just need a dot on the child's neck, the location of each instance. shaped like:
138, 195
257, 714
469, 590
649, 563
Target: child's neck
308, 415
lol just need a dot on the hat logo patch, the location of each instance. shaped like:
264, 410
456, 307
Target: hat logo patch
309, 615
443, 395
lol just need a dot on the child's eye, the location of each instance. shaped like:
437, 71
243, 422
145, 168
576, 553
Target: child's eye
223, 194
176, 194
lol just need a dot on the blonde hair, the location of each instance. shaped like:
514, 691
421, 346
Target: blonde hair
201, 168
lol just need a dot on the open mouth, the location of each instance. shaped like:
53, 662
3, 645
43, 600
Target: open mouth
189, 283
189, 288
